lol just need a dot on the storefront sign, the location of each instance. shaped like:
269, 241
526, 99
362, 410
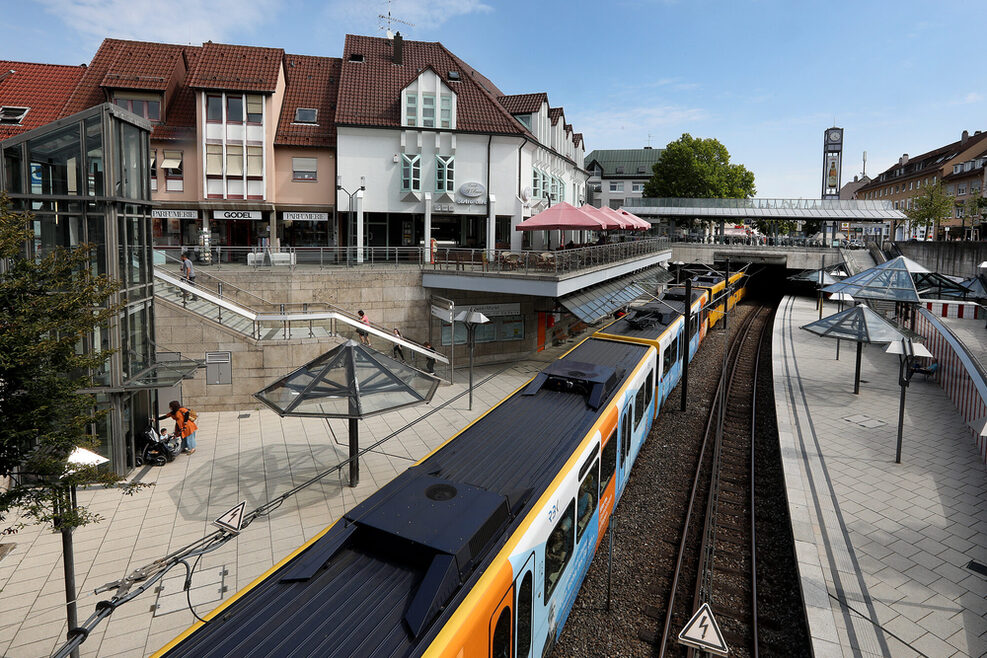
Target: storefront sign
305, 216
472, 193
495, 310
161, 213
237, 214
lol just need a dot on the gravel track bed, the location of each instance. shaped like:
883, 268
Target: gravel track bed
648, 522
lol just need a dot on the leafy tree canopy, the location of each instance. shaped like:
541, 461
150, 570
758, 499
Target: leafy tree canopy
49, 304
699, 169
930, 207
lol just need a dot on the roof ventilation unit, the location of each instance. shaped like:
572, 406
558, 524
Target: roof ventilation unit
590, 380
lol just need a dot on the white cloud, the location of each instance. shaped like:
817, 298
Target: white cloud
973, 97
629, 127
178, 21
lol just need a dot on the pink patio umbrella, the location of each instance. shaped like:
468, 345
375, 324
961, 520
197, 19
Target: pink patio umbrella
625, 222
608, 221
642, 224
562, 216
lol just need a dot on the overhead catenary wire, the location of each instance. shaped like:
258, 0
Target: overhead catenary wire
151, 573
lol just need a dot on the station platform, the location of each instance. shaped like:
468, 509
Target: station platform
884, 549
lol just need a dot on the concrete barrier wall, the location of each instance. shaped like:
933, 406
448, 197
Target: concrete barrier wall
958, 375
953, 258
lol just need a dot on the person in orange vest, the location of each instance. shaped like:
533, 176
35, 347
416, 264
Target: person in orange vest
185, 427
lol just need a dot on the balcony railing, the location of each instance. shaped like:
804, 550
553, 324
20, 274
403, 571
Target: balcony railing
536, 262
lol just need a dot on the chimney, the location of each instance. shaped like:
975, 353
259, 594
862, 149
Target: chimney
965, 136
903, 159
398, 49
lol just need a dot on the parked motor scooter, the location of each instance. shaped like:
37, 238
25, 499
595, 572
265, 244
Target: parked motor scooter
158, 448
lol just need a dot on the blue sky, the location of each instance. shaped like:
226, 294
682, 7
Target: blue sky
766, 78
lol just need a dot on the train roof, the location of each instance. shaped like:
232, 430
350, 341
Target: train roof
376, 581
649, 321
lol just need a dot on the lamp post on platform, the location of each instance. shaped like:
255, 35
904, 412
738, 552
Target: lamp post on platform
349, 208
471, 319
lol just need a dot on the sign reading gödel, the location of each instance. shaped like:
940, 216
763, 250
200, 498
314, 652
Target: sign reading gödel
472, 193
237, 214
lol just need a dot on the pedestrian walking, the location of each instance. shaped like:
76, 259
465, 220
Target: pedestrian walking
429, 360
398, 352
364, 335
185, 426
188, 272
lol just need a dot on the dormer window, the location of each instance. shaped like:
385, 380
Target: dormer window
620, 169
12, 116
147, 108
306, 115
454, 76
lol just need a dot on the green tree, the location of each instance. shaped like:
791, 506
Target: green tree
698, 169
929, 208
49, 304
974, 208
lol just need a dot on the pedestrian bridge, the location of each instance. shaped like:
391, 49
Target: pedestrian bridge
722, 210
792, 257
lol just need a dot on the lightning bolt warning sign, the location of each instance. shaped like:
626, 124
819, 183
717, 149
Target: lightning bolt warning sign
702, 632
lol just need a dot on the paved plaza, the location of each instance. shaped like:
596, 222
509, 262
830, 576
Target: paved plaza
251, 455
883, 548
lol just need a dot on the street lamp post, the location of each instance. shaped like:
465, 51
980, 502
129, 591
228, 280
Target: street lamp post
349, 208
471, 319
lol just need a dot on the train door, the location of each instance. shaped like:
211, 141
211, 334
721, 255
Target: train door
501, 631
524, 609
625, 441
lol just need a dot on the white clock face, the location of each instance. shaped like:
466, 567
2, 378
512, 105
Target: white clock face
834, 135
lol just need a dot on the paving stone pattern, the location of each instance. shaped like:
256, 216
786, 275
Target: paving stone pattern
883, 548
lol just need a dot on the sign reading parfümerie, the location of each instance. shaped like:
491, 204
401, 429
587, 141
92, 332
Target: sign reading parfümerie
168, 213
305, 216
237, 214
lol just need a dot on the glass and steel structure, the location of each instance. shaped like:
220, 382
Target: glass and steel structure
85, 179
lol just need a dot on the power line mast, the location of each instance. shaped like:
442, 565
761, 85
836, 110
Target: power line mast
388, 19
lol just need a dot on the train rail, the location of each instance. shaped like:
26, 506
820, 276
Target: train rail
716, 561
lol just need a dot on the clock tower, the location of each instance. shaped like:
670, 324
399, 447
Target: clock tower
832, 162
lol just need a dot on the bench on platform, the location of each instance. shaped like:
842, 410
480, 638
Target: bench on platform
278, 258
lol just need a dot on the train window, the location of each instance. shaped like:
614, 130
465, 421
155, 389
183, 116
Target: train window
588, 497
501, 645
694, 325
666, 360
649, 387
524, 604
558, 549
625, 436
609, 460
640, 404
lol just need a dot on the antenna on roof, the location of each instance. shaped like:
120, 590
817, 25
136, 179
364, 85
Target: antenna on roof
389, 20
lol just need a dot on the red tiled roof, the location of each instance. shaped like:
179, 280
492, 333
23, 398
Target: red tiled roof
238, 68
577, 138
312, 82
555, 113
120, 56
923, 164
43, 88
142, 65
370, 91
523, 103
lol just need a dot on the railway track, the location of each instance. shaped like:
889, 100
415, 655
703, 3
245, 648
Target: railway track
716, 561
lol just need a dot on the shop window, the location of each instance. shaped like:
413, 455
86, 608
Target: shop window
174, 174
558, 548
428, 110
304, 169
234, 109
154, 171
255, 109
255, 161
306, 115
12, 116
411, 173
445, 173
214, 109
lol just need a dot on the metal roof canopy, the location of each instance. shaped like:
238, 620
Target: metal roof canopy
595, 302
809, 209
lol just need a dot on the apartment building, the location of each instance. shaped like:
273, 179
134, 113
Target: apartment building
618, 175
957, 164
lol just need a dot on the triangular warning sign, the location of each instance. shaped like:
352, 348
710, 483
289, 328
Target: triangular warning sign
702, 632
232, 519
